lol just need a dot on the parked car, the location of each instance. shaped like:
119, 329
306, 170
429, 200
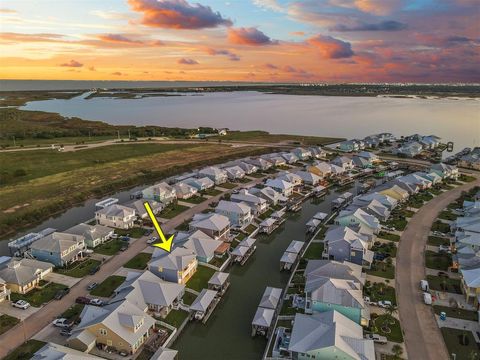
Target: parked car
88, 251
62, 323
376, 338
21, 304
66, 332
96, 302
61, 293
94, 270
125, 238
379, 256
444, 248
82, 300
384, 303
443, 274
152, 240
368, 301
92, 286
114, 236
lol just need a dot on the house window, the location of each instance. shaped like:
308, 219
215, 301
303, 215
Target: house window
109, 342
103, 332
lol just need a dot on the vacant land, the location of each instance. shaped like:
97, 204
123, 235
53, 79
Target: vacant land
79, 269
7, 322
139, 261
438, 261
460, 342
26, 350
106, 288
314, 251
111, 247
39, 296
265, 137
200, 279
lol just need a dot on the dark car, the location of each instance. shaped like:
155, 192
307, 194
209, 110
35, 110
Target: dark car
443, 274
82, 300
61, 293
94, 270
379, 256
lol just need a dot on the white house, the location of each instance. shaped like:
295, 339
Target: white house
235, 172
256, 203
184, 190
284, 187
161, 192
239, 214
117, 216
217, 175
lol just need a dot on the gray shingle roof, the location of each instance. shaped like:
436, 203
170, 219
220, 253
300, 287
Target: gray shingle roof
203, 300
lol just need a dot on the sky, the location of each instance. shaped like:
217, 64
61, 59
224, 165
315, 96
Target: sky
306, 41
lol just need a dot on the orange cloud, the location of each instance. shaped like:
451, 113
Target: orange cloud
249, 36
72, 63
331, 48
186, 61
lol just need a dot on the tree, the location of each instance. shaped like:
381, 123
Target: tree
391, 310
397, 351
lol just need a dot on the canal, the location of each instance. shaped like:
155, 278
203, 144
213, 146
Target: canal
227, 333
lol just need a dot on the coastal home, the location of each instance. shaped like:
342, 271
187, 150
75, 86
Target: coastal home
385, 200
445, 171
415, 179
275, 159
411, 188
260, 163
430, 142
52, 351
344, 162
321, 169
433, 177
301, 153
317, 152
184, 190
58, 248
348, 146
396, 192
178, 266
121, 325
234, 172
161, 192
202, 245
470, 161
377, 209
139, 207
358, 217
292, 178
272, 196
308, 177
331, 269
217, 175
4, 291
200, 184
369, 156
117, 216
371, 141
289, 157
214, 225
257, 204
409, 149
22, 275
328, 335
284, 187
93, 235
344, 244
361, 162
336, 170
471, 285
149, 293
238, 213
246, 167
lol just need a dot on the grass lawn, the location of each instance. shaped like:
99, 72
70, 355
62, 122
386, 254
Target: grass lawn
240, 236
314, 251
37, 297
437, 241
250, 228
80, 269
7, 322
435, 191
441, 283
184, 226
139, 261
397, 223
188, 298
135, 232
321, 233
466, 178
228, 185
438, 261
218, 262
106, 288
200, 279
176, 317
172, 210
287, 309
382, 269
440, 226
453, 338
379, 291
447, 215
395, 333
389, 236
111, 247
212, 192
194, 199
25, 351
385, 248
256, 175
266, 214
456, 313
73, 312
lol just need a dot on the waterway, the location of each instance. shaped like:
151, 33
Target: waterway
227, 333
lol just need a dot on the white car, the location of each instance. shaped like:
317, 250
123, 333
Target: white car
368, 301
88, 251
21, 304
384, 303
96, 302
62, 323
376, 338
152, 240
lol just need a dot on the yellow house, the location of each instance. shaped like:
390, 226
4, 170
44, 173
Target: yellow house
22, 275
396, 192
321, 169
471, 285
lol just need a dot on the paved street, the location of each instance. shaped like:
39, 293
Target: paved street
422, 336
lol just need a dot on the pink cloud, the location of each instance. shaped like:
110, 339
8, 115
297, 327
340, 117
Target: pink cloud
249, 36
187, 61
72, 63
331, 48
231, 55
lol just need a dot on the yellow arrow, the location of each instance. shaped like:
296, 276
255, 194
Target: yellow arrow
166, 244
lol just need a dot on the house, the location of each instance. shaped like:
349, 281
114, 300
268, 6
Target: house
120, 325
22, 275
396, 192
292, 178
275, 159
139, 207
344, 162
217, 175
202, 245
214, 225
309, 177
301, 153
204, 303
272, 196
430, 142
93, 235
321, 169
222, 132
260, 163
58, 248
328, 335
238, 213
220, 281
289, 157
4, 291
200, 184
409, 149
470, 161
369, 156
348, 146
344, 244
234, 172
177, 266
52, 351
105, 203
317, 152
358, 217
161, 192
257, 204
371, 141
330, 269
445, 171
377, 209
336, 170
149, 293
117, 216
184, 190
471, 285
361, 162
246, 167
284, 187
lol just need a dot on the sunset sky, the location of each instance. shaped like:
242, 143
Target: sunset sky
241, 40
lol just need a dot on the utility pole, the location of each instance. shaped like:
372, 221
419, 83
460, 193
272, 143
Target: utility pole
128, 134
118, 134
14, 143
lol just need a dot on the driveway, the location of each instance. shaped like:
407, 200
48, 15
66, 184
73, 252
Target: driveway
7, 308
62, 279
423, 338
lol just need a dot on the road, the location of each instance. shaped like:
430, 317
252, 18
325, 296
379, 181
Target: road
37, 321
423, 338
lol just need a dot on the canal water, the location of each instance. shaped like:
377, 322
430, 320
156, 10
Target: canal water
227, 332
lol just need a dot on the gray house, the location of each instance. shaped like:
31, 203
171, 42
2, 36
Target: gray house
344, 244
58, 248
94, 234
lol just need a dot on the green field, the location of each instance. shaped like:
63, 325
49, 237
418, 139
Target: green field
314, 251
26, 350
106, 288
172, 210
111, 247
139, 261
200, 279
265, 137
39, 296
438, 261
453, 339
176, 317
7, 322
79, 269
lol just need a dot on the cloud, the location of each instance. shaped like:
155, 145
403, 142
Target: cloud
118, 38
459, 39
109, 15
388, 25
298, 33
249, 36
39, 37
270, 66
177, 14
92, 68
7, 11
187, 61
377, 7
72, 63
231, 56
118, 73
331, 48
269, 5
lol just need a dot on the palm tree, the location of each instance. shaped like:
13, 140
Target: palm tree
390, 310
397, 351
